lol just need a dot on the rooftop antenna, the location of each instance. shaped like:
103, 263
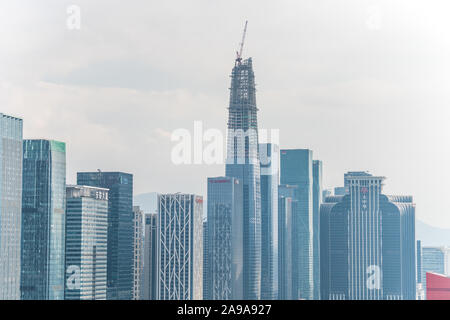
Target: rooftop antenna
241, 46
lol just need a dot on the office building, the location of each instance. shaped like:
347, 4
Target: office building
120, 275
297, 170
86, 243
243, 164
206, 254
287, 206
434, 259
339, 191
317, 201
138, 239
180, 247
10, 205
225, 239
43, 220
367, 243
150, 254
270, 177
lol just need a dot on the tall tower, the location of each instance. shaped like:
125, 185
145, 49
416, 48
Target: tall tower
120, 230
180, 247
86, 243
10, 206
138, 239
367, 243
317, 201
243, 164
43, 220
269, 162
150, 266
225, 245
297, 170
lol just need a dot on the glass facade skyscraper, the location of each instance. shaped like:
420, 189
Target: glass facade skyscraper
138, 239
317, 201
297, 170
149, 278
206, 256
270, 173
287, 206
43, 220
86, 243
243, 164
180, 247
435, 259
10, 205
367, 243
120, 277
225, 234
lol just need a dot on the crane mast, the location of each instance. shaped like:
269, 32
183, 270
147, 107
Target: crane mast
241, 46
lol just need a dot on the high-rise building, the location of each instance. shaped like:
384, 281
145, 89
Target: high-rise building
435, 259
420, 286
225, 235
206, 273
243, 164
296, 170
86, 243
419, 261
43, 220
287, 206
138, 251
317, 201
10, 206
339, 191
180, 247
120, 229
150, 265
367, 243
270, 178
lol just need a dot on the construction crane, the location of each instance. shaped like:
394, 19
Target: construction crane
239, 53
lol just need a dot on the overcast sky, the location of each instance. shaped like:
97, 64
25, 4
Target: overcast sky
364, 84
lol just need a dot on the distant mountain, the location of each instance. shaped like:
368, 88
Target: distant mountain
429, 235
432, 236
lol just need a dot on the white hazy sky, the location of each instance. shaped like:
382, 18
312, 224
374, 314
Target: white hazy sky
364, 84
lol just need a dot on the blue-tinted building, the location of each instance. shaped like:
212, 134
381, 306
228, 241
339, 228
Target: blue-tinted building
43, 220
434, 259
297, 170
339, 191
270, 178
317, 201
138, 239
86, 243
206, 254
10, 205
180, 247
120, 276
419, 261
149, 276
287, 206
367, 243
243, 164
225, 239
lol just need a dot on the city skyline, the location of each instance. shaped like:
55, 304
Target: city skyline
328, 77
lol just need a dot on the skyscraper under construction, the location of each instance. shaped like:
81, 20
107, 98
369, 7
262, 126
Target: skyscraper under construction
243, 164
